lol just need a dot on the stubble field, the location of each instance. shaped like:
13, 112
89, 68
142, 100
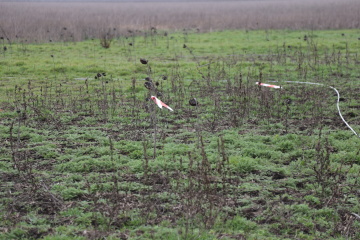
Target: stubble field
85, 154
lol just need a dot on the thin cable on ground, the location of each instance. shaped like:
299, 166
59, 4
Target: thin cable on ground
337, 103
356, 215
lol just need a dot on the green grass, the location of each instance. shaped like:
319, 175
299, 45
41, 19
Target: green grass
24, 62
79, 158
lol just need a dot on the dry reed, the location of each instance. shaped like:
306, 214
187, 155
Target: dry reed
42, 21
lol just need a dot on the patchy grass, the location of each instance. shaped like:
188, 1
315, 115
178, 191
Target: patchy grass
89, 158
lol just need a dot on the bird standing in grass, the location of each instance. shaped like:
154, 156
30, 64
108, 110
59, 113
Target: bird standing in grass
143, 61
149, 85
193, 102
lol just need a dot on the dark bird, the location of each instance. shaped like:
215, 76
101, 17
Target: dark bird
288, 101
149, 85
143, 61
193, 102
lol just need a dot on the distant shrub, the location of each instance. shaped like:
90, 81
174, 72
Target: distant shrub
106, 39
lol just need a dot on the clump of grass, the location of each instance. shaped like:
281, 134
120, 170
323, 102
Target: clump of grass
244, 164
106, 39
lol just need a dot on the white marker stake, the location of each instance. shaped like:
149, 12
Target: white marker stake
268, 85
160, 103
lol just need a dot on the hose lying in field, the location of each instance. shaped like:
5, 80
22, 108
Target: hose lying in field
354, 214
320, 84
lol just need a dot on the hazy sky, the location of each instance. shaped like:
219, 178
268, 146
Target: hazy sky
149, 0
127, 0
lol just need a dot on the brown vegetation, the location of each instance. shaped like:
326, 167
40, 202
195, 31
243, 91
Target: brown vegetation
79, 21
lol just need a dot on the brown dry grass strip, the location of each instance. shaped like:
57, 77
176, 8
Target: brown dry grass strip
78, 21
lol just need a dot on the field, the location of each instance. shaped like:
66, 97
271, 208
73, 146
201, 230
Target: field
86, 154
